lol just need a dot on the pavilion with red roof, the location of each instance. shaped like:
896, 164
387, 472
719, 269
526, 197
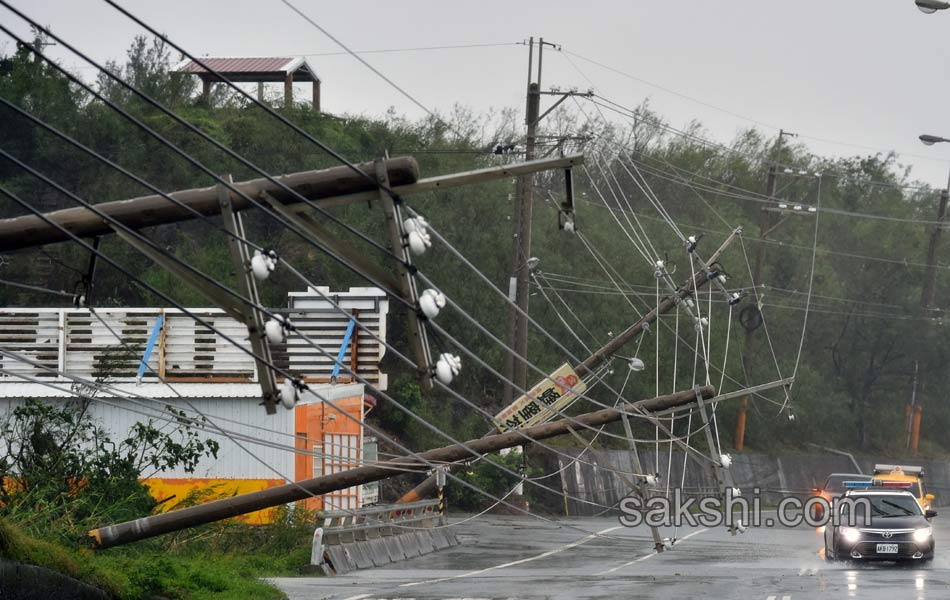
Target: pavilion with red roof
260, 70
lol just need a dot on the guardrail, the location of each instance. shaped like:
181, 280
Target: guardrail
379, 535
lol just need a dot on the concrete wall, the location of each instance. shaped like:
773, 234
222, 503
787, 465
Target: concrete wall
775, 475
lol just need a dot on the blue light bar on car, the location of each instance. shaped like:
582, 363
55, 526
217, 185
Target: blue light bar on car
858, 484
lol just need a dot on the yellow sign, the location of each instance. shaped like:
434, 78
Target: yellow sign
542, 401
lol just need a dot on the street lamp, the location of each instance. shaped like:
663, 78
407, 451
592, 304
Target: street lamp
930, 140
931, 6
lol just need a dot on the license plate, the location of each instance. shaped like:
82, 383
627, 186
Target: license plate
887, 548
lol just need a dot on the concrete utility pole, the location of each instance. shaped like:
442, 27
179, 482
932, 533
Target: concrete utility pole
522, 217
765, 227
148, 211
152, 526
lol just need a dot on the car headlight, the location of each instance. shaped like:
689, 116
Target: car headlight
850, 534
923, 534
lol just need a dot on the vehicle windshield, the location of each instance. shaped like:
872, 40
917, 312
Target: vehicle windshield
888, 506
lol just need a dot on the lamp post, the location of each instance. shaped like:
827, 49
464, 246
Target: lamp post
913, 410
931, 6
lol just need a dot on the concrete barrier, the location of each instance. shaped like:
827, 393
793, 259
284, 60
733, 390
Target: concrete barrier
379, 535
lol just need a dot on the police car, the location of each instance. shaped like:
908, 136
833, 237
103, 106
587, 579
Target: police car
879, 520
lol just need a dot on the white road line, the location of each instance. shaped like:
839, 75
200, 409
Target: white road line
770, 598
646, 556
358, 597
517, 562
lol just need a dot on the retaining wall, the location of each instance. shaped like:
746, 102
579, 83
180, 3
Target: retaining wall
775, 475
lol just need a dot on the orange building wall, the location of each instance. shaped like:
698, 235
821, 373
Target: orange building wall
313, 422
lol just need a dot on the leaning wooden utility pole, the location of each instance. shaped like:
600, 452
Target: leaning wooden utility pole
699, 279
176, 520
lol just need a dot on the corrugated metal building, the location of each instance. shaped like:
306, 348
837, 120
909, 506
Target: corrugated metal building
209, 377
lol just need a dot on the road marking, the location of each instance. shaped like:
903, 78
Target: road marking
646, 556
358, 597
517, 562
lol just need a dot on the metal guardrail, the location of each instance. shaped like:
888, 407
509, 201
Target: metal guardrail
340, 524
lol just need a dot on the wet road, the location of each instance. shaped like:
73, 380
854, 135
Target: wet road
518, 557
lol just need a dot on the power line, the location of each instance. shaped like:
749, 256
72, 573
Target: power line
729, 112
355, 55
411, 49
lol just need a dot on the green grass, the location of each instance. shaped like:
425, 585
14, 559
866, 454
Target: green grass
220, 562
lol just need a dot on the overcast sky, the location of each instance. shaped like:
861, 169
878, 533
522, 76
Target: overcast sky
850, 76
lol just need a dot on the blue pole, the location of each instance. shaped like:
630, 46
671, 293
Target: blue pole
151, 344
342, 352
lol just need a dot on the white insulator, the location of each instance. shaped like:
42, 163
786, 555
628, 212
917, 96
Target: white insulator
431, 302
448, 367
722, 278
415, 224
262, 265
569, 225
702, 322
276, 329
419, 242
791, 416
736, 492
651, 480
79, 300
636, 364
734, 298
288, 393
689, 302
725, 460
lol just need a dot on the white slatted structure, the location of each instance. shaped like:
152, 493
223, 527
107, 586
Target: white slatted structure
319, 320
84, 344
341, 453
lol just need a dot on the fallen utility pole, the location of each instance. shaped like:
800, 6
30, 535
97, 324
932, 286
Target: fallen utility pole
336, 186
699, 279
147, 211
131, 531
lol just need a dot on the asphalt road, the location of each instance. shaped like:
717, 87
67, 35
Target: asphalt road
519, 557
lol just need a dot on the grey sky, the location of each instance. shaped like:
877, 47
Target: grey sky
871, 73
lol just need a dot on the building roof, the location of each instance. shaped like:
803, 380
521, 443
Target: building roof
117, 391
251, 68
